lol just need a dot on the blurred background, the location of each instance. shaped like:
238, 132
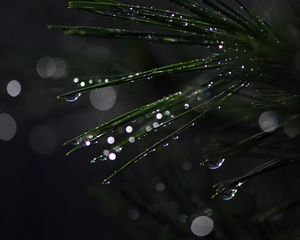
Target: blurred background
46, 195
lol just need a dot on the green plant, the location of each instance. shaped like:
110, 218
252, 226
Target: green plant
253, 74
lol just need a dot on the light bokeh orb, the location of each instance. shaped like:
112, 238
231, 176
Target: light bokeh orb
133, 214
202, 226
160, 187
103, 99
51, 68
13, 88
8, 127
268, 121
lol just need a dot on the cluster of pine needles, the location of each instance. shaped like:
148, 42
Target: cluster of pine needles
252, 71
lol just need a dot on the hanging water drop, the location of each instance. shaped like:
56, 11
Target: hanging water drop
229, 194
215, 165
105, 182
72, 98
176, 137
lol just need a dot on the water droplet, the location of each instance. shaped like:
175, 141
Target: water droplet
105, 182
101, 158
148, 128
72, 98
165, 144
82, 84
167, 113
229, 194
118, 149
131, 139
186, 106
76, 80
106, 152
215, 165
112, 156
129, 129
155, 124
87, 143
159, 116
93, 161
76, 142
110, 140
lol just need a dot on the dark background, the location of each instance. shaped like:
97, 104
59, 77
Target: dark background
44, 193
